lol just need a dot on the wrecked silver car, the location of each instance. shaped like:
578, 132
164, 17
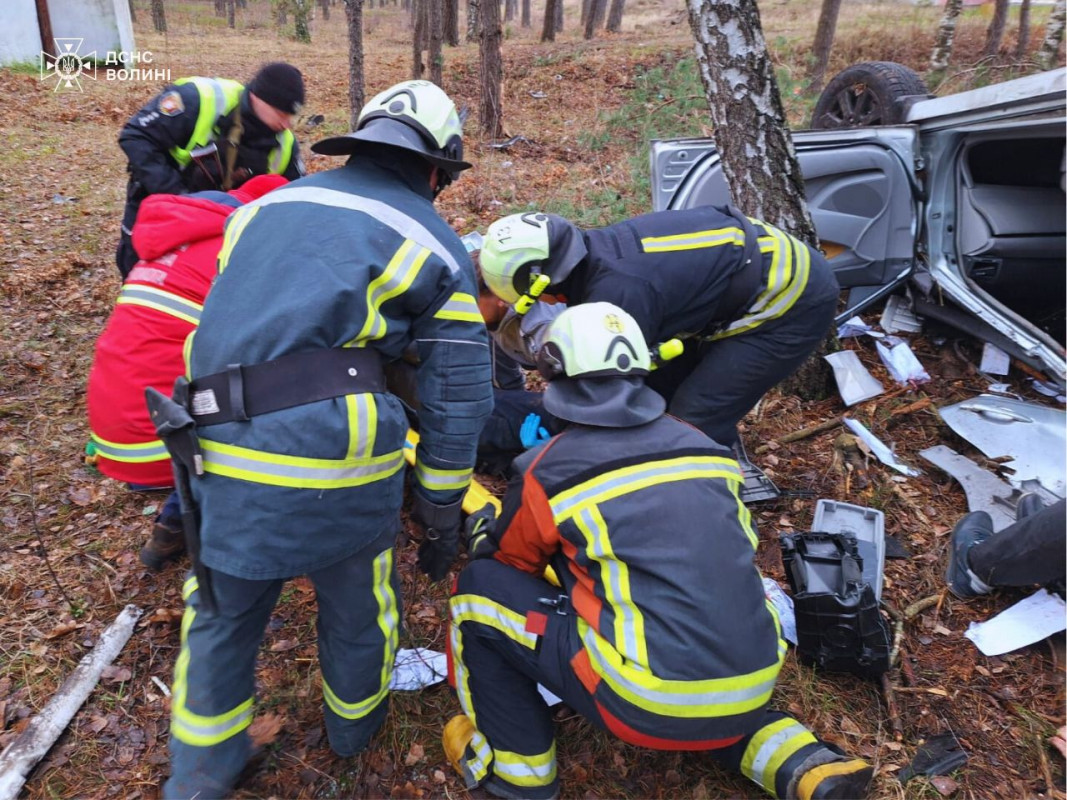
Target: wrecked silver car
962, 204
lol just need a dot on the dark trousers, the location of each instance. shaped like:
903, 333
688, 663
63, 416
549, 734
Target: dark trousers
505, 640
1029, 552
211, 707
713, 384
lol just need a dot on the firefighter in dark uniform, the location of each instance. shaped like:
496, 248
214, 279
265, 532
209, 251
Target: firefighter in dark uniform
748, 302
250, 128
660, 633
303, 447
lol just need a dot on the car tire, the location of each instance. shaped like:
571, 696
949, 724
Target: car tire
865, 94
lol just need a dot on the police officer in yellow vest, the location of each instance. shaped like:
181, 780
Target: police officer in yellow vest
210, 133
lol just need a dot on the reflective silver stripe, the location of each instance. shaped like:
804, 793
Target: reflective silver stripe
525, 770
460, 306
147, 451
400, 222
668, 699
441, 480
253, 469
694, 241
621, 604
769, 747
185, 728
483, 756
656, 471
163, 301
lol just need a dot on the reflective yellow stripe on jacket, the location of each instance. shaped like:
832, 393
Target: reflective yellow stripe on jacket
139, 453
134, 294
275, 469
786, 281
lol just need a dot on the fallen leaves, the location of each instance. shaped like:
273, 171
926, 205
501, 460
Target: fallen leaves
265, 729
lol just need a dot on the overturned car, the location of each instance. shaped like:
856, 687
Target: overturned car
960, 199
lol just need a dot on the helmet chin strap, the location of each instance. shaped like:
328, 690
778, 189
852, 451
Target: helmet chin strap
537, 288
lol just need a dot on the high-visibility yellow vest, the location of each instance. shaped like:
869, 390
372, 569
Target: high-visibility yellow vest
218, 97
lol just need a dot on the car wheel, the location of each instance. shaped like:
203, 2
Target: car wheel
867, 94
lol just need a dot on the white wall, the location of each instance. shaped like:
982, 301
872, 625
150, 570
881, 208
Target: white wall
103, 24
20, 37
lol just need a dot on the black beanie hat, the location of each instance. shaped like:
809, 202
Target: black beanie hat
280, 85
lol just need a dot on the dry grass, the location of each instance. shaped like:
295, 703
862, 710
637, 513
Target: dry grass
57, 283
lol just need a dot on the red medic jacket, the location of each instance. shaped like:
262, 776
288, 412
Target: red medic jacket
178, 238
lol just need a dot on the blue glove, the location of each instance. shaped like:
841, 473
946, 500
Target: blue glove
531, 432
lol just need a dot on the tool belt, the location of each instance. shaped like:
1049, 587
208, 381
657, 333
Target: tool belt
241, 392
745, 284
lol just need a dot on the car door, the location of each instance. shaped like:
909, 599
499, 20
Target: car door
861, 189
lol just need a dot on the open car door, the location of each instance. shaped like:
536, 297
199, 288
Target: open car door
861, 191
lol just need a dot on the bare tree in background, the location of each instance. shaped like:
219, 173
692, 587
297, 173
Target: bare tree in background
436, 36
525, 21
301, 13
220, 8
1023, 41
1049, 51
615, 15
757, 153
490, 69
452, 22
354, 15
598, 9
473, 14
133, 11
231, 13
995, 32
281, 13
559, 16
325, 6
824, 42
509, 10
420, 20
587, 6
946, 36
159, 16
548, 29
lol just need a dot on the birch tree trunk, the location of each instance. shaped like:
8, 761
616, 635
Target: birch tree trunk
159, 16
995, 32
354, 15
615, 15
490, 69
946, 36
472, 20
824, 42
1050, 47
548, 29
437, 35
1023, 41
759, 162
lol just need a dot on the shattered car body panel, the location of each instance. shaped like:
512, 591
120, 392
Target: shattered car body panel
966, 201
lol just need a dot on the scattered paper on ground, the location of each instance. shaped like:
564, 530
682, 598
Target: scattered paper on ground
1037, 617
417, 668
783, 604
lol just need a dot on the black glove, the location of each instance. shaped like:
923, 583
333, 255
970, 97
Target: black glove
441, 542
478, 532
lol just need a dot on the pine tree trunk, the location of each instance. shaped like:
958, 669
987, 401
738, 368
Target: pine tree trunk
509, 10
490, 69
559, 16
452, 22
473, 13
1049, 51
587, 6
231, 13
759, 162
595, 18
301, 9
325, 6
526, 13
548, 28
354, 15
1024, 31
824, 42
946, 36
995, 32
615, 15
437, 35
281, 12
220, 8
242, 4
420, 18
159, 16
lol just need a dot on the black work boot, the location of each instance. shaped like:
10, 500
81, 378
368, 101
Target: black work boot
165, 544
972, 529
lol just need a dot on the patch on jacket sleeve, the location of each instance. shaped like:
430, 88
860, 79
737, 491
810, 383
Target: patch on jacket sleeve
171, 104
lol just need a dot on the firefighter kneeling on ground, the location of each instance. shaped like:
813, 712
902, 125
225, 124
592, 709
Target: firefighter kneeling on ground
661, 633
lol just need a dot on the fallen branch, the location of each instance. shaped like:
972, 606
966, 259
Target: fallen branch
918, 405
900, 493
891, 706
30, 746
803, 433
921, 605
